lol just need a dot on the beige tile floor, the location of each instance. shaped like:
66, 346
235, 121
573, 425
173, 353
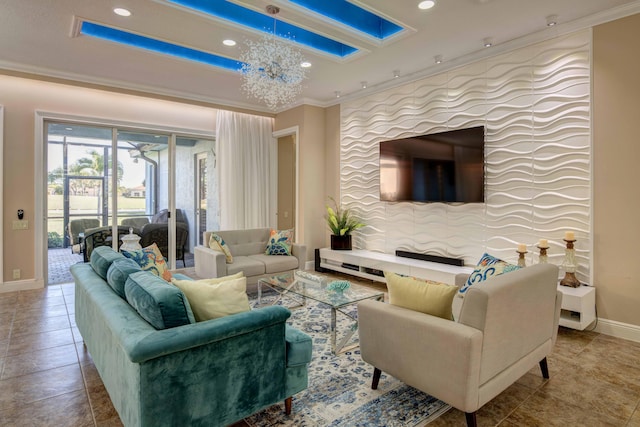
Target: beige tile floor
48, 379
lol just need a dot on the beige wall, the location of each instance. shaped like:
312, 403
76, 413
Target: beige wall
616, 152
21, 99
311, 174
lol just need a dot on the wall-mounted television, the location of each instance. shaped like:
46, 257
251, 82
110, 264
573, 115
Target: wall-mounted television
439, 167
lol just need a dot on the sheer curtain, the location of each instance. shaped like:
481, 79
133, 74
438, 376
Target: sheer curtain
243, 149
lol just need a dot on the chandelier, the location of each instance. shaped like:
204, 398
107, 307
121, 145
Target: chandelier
271, 69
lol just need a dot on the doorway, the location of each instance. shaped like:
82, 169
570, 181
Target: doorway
286, 182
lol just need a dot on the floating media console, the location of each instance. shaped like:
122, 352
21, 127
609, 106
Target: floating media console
372, 265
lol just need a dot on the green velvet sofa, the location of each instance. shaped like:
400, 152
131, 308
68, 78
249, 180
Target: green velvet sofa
210, 373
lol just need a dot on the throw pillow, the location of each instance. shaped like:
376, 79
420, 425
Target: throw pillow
217, 243
119, 272
280, 242
425, 296
101, 259
211, 301
212, 281
158, 302
150, 259
488, 266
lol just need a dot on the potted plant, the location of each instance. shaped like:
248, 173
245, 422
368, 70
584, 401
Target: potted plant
341, 223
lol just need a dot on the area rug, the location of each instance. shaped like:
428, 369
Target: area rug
339, 392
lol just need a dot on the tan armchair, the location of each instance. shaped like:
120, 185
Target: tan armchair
505, 326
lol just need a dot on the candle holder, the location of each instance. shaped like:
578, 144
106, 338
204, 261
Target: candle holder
569, 264
542, 259
521, 261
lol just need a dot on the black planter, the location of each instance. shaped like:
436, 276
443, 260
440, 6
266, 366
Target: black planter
341, 243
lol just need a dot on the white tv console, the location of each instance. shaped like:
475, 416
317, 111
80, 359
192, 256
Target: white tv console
370, 265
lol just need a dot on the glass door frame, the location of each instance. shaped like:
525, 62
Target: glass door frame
41, 148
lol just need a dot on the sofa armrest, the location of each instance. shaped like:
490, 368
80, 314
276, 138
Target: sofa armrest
439, 356
209, 263
299, 347
299, 251
173, 340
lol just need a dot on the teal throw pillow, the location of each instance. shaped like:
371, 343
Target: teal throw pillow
161, 304
119, 272
101, 259
488, 266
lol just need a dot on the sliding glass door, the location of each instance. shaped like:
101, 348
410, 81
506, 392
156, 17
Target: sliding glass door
98, 177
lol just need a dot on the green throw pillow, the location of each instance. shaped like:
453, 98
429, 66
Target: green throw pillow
425, 296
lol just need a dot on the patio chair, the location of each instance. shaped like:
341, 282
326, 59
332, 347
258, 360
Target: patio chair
102, 236
75, 229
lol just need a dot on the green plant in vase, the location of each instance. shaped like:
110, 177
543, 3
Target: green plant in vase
341, 223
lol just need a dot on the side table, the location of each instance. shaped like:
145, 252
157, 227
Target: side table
578, 306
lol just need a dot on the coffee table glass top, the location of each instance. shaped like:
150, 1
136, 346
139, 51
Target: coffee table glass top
315, 287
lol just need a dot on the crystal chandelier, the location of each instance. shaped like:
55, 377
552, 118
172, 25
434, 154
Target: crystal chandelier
271, 69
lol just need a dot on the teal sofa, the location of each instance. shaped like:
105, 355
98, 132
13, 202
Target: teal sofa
210, 373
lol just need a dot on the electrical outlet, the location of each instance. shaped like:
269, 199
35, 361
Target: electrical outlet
16, 273
20, 224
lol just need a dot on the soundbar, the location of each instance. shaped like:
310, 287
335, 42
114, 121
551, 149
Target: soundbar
433, 258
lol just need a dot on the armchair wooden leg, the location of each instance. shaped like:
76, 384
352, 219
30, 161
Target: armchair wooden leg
471, 419
287, 405
544, 368
376, 378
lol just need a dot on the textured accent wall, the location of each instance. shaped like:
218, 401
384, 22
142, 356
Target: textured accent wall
535, 105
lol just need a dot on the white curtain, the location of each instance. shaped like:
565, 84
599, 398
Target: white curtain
243, 150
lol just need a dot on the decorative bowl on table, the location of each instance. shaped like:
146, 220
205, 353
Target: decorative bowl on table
339, 286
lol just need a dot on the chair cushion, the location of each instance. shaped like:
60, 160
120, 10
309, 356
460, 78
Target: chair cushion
214, 300
150, 259
217, 243
119, 272
421, 295
488, 266
276, 264
280, 242
161, 304
101, 259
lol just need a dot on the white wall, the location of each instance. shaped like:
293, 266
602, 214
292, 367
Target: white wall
535, 105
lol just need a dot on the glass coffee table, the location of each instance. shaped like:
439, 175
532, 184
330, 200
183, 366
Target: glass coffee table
303, 285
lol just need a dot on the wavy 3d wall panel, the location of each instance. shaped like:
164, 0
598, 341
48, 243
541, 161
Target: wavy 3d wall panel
535, 105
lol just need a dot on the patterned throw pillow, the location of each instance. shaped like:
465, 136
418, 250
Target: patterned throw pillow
280, 242
150, 259
488, 266
217, 243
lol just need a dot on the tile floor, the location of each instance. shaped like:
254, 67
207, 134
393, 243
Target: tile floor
48, 379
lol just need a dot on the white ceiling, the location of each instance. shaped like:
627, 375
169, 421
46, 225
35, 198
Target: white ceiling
36, 37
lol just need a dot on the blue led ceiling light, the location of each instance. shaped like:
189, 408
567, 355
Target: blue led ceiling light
153, 45
258, 21
352, 16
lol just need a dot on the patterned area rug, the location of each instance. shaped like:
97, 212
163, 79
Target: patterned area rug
339, 392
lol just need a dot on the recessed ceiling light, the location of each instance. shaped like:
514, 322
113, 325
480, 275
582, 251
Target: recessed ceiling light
438, 59
488, 42
396, 74
121, 11
552, 20
337, 94
427, 4
229, 42
305, 64
364, 85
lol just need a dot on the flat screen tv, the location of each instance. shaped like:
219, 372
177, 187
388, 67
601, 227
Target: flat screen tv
440, 167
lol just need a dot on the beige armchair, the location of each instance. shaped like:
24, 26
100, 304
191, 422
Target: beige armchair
505, 326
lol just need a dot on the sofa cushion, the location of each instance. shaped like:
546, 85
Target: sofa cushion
488, 266
246, 242
150, 259
217, 243
119, 272
161, 304
421, 295
276, 264
214, 300
280, 242
247, 265
101, 259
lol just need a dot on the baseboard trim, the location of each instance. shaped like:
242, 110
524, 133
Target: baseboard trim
21, 285
618, 329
